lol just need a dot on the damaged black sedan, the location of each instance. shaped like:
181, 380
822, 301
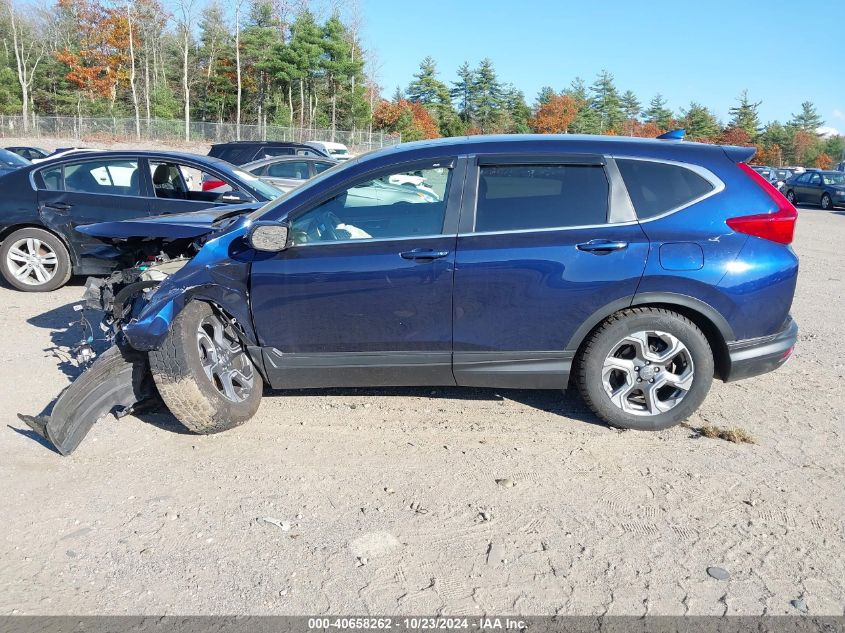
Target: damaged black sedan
42, 204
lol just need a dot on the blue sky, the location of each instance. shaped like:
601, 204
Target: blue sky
688, 51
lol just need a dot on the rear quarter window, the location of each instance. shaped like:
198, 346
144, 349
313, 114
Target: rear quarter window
657, 188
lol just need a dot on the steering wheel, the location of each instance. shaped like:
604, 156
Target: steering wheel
327, 222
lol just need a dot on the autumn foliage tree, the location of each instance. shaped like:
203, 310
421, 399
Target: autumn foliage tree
99, 61
823, 161
409, 119
555, 115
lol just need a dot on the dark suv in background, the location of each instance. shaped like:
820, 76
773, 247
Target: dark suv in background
242, 152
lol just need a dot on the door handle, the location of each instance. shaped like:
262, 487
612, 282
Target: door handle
601, 247
425, 254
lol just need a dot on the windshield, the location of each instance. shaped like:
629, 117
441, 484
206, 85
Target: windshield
335, 152
10, 159
255, 215
265, 189
833, 179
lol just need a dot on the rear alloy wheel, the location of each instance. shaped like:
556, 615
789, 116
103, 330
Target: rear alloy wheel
204, 374
826, 201
790, 195
34, 260
645, 368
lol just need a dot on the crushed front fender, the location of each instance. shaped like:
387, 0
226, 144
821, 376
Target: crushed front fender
115, 383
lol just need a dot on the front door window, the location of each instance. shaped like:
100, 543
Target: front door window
390, 206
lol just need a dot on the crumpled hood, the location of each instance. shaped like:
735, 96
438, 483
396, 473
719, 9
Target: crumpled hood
171, 226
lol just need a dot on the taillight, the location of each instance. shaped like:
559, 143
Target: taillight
778, 226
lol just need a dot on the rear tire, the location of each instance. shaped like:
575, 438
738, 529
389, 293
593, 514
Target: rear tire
826, 202
204, 374
34, 260
645, 369
790, 195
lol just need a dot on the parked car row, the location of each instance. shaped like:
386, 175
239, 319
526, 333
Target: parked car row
825, 188
642, 269
48, 197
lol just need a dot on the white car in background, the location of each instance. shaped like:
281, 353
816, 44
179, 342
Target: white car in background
337, 151
414, 182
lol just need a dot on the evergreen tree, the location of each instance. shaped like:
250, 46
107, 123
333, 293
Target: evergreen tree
658, 113
808, 119
463, 92
630, 105
587, 120
486, 97
428, 90
631, 108
606, 102
516, 110
744, 115
544, 96
699, 122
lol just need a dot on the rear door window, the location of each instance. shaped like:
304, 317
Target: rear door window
656, 188
525, 197
295, 169
112, 177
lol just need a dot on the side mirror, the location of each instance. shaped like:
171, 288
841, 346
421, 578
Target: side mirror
234, 197
268, 237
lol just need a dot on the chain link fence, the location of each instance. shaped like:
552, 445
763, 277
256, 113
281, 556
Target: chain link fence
105, 129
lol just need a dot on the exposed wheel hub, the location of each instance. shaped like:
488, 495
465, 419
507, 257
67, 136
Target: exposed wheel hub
224, 360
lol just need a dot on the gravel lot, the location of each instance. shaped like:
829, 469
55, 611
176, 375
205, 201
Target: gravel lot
386, 501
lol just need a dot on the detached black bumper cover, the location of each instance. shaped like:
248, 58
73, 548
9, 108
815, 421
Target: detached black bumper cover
757, 356
117, 381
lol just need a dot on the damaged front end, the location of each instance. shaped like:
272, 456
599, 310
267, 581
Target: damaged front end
178, 257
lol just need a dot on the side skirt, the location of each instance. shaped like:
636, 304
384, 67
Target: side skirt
514, 370
357, 369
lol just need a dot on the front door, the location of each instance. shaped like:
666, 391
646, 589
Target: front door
88, 191
363, 295
541, 254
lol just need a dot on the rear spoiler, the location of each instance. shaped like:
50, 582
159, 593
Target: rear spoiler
739, 154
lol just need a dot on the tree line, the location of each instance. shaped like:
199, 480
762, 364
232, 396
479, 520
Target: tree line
279, 62
258, 61
478, 102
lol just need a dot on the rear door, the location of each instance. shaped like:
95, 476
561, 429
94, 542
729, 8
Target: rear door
544, 243
86, 191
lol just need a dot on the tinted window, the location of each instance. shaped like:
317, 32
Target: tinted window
321, 167
114, 177
231, 154
803, 178
656, 188
815, 179
517, 197
289, 169
379, 209
269, 152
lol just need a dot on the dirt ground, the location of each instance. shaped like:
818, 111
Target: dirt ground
386, 501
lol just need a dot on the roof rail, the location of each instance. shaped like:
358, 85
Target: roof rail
674, 135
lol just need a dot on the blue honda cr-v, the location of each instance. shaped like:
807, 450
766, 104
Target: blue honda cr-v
636, 269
